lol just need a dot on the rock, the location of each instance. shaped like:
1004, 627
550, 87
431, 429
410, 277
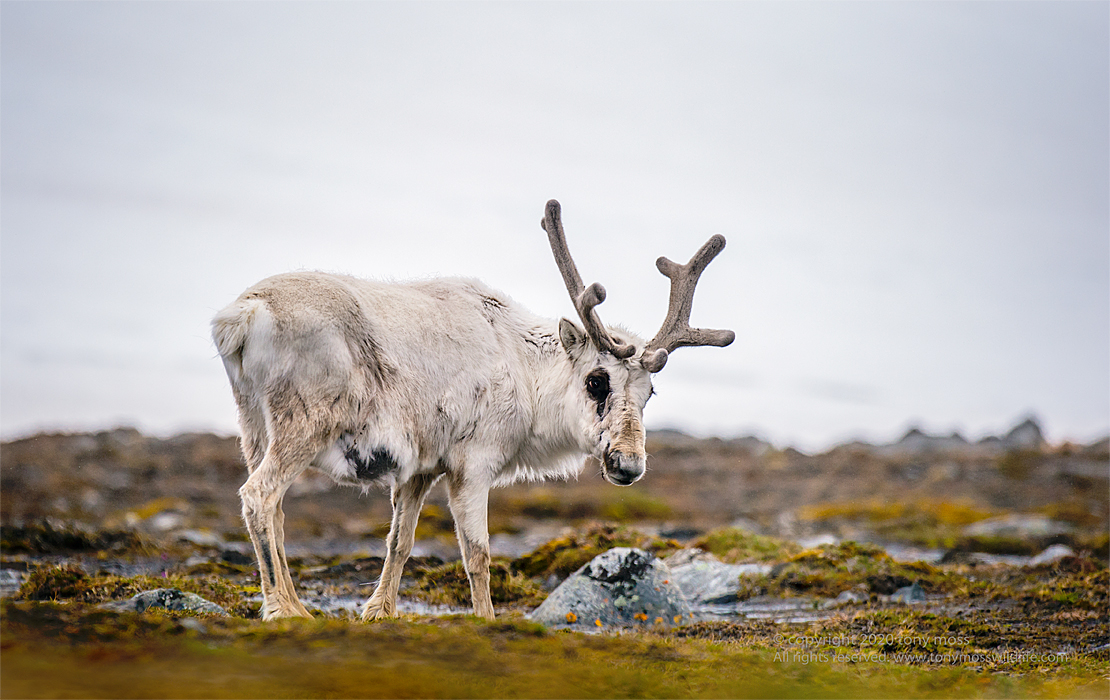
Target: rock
850, 597
1026, 435
622, 587
703, 579
1052, 555
917, 442
909, 594
168, 598
1018, 526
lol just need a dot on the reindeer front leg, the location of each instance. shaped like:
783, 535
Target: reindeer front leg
469, 501
407, 499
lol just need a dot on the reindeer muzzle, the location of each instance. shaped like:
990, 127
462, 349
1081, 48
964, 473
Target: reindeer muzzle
622, 469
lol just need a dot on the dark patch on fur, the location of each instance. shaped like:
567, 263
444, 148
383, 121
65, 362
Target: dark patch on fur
264, 545
379, 463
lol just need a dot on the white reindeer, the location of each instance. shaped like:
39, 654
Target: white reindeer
405, 384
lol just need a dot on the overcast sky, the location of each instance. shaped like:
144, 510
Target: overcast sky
916, 196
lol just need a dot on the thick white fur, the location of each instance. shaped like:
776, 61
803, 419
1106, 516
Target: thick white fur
449, 377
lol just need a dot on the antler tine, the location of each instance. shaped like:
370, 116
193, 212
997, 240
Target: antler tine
585, 299
676, 331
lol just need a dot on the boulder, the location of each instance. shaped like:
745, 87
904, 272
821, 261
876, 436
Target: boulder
168, 598
705, 580
622, 587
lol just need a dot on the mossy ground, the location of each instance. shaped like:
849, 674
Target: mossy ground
736, 546
941, 525
77, 651
988, 632
449, 585
70, 583
564, 555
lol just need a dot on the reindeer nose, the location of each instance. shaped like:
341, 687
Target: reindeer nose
623, 469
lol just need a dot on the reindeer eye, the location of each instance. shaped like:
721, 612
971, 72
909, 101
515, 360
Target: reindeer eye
597, 386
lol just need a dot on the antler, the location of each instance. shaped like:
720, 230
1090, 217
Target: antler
676, 331
585, 299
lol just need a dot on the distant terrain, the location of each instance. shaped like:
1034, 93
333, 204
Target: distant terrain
123, 479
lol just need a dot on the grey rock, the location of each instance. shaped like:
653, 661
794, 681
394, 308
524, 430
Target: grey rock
909, 594
1052, 554
704, 579
1026, 435
850, 598
168, 598
622, 587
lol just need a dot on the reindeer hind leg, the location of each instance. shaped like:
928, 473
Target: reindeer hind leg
290, 448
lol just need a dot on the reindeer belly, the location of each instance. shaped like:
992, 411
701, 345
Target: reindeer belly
348, 461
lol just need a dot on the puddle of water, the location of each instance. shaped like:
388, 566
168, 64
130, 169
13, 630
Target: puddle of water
350, 606
10, 581
783, 610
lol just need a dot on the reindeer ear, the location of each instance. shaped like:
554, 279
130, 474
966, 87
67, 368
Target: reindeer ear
572, 337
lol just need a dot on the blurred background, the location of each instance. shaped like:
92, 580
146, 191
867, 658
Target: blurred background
916, 195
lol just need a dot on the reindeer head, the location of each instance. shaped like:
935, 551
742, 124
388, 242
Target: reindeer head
613, 368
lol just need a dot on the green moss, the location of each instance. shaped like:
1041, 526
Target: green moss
449, 585
830, 570
70, 583
926, 523
737, 546
69, 651
564, 555
44, 538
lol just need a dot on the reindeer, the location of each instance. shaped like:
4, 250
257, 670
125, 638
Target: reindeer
408, 383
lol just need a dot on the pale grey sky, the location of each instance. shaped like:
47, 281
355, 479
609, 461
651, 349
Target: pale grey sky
916, 195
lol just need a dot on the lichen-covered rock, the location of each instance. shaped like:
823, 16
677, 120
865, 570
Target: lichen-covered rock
706, 580
622, 587
168, 598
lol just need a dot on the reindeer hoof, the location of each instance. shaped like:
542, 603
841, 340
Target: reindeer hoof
377, 610
278, 614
